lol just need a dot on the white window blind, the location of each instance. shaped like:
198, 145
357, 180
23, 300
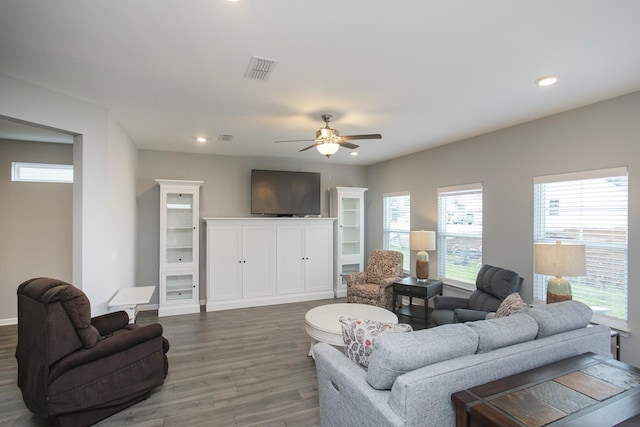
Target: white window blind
591, 208
397, 224
41, 172
460, 232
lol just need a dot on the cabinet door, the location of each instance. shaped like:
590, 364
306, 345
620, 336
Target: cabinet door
318, 257
225, 262
350, 227
179, 288
180, 228
258, 260
290, 259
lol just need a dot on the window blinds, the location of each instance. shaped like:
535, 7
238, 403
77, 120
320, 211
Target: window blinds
592, 208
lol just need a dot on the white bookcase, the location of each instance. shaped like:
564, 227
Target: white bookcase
179, 247
348, 206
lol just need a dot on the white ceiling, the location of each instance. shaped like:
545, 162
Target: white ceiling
420, 72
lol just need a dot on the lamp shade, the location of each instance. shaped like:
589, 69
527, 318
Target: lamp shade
559, 259
422, 240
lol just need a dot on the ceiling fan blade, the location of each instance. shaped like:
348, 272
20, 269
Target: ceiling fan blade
295, 140
369, 136
349, 145
306, 148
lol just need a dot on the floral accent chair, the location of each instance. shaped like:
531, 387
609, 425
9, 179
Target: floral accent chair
375, 285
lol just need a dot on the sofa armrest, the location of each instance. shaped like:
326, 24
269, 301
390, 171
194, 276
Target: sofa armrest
107, 323
120, 340
450, 303
346, 399
355, 278
462, 315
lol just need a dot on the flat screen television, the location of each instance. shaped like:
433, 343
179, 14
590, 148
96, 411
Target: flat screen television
285, 193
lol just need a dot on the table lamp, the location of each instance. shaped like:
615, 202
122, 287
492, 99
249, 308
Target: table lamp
422, 241
557, 260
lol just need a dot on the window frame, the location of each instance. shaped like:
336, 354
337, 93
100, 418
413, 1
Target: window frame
386, 230
18, 175
444, 236
594, 241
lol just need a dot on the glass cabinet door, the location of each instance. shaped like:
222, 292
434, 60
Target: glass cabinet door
179, 287
180, 228
350, 227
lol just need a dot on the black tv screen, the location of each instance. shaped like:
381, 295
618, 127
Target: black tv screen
285, 193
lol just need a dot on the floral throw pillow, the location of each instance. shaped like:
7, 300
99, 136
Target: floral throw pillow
359, 335
511, 305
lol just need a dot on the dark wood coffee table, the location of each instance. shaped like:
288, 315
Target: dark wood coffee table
582, 391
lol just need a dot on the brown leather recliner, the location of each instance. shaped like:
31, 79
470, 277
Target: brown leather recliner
75, 370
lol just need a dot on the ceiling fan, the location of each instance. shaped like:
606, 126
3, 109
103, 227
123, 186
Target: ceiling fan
328, 140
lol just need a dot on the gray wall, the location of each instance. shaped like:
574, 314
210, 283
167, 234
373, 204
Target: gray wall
35, 221
601, 135
225, 193
103, 189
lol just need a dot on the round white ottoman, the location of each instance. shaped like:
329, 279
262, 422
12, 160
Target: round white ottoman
323, 326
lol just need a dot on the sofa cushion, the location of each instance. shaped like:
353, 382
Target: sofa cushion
511, 305
503, 331
360, 334
560, 317
396, 354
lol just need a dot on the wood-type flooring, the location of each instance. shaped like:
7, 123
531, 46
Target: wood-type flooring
244, 367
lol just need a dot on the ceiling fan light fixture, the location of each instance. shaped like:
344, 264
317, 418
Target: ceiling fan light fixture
328, 148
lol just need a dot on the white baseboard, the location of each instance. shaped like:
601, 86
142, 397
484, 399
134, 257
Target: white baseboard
9, 321
261, 301
148, 307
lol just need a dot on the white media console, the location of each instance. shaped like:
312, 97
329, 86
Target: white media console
263, 261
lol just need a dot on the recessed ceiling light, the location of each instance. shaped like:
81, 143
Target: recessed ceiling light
547, 80
353, 153
201, 139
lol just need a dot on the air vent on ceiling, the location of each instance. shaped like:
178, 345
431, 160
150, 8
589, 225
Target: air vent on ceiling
225, 137
260, 68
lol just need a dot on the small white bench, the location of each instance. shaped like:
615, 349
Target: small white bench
127, 299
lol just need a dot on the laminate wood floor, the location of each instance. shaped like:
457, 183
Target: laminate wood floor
245, 367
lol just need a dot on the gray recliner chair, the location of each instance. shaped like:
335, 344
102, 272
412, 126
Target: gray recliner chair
493, 285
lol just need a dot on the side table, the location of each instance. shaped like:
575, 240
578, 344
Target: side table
413, 288
127, 299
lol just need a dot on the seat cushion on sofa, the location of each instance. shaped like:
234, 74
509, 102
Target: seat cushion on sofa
503, 331
396, 354
359, 335
560, 317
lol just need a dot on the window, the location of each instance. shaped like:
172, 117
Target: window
396, 224
460, 232
41, 172
591, 208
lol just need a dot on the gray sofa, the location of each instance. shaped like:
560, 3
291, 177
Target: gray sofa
411, 376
